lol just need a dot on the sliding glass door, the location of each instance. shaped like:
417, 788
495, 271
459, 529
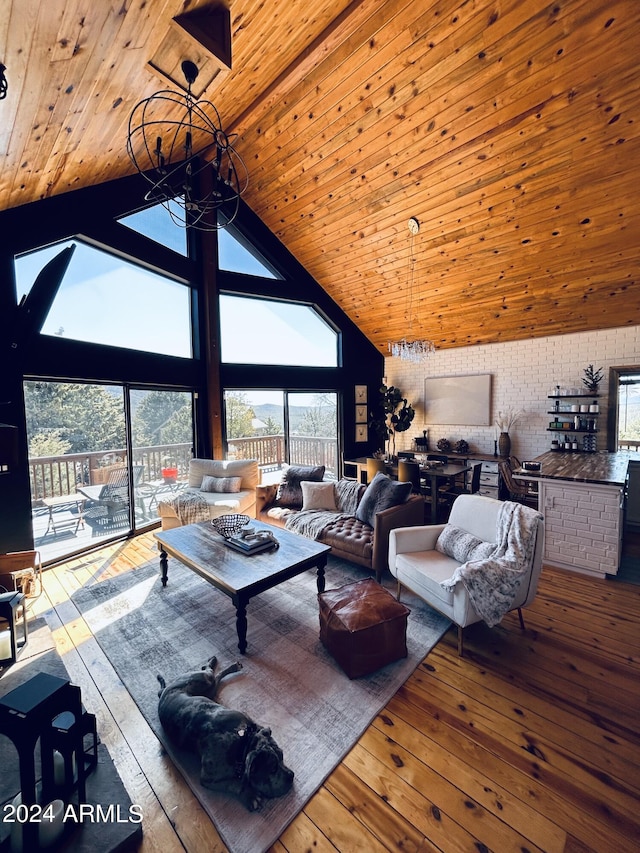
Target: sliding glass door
100, 458
162, 441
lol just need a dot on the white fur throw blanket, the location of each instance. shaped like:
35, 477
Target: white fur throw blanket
311, 522
189, 507
492, 583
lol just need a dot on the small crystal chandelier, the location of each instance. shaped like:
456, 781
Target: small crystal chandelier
178, 145
409, 349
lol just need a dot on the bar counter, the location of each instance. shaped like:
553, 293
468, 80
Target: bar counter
581, 496
610, 469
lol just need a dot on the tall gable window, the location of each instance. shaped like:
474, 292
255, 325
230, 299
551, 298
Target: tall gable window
263, 331
104, 299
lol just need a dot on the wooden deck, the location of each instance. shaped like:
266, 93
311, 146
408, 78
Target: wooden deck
531, 742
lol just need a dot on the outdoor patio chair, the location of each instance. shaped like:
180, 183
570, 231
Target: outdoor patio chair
114, 494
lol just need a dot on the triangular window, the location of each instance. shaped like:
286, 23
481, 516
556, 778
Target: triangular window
236, 254
156, 224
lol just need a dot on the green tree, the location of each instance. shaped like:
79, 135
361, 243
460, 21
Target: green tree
48, 444
86, 418
320, 417
239, 415
272, 427
179, 427
631, 432
162, 417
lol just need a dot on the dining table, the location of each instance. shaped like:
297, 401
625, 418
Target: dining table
435, 474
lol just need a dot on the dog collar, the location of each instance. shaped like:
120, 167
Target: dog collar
244, 731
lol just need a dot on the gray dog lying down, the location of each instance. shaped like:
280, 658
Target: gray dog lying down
237, 755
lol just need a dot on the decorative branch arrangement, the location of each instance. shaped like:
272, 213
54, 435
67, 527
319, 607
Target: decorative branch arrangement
508, 419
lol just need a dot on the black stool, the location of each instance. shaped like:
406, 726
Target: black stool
9, 604
26, 714
66, 735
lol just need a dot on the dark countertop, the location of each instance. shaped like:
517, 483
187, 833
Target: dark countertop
609, 469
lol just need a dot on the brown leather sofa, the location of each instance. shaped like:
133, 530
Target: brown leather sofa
349, 538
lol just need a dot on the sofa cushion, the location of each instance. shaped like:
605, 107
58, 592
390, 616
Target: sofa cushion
222, 485
423, 571
318, 496
382, 493
290, 489
349, 536
462, 546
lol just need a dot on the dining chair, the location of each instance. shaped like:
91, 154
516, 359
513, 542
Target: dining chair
518, 490
474, 486
409, 472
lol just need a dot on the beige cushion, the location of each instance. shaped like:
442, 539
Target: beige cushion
318, 496
222, 485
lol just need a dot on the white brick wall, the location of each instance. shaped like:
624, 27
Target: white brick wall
523, 374
582, 526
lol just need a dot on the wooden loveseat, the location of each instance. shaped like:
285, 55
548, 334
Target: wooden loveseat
349, 536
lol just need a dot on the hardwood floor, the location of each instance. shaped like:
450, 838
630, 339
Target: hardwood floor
531, 742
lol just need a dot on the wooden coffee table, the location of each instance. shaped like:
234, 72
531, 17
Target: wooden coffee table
237, 575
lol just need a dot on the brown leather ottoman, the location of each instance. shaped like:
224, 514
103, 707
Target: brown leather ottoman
363, 626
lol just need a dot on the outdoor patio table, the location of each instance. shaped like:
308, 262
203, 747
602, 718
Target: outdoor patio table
60, 502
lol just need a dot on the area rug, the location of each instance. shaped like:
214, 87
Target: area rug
289, 681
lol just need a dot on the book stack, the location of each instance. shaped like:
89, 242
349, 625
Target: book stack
252, 542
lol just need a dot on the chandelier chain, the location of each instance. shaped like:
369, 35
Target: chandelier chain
409, 348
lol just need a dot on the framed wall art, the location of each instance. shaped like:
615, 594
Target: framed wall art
362, 432
361, 394
458, 400
361, 414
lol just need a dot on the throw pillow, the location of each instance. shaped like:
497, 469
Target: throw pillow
462, 546
224, 485
381, 493
290, 490
318, 496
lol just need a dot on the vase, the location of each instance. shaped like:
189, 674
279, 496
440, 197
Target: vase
504, 445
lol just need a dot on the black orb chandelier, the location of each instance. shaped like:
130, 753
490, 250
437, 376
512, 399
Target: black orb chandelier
178, 145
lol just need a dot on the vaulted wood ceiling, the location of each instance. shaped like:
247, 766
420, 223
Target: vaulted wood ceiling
509, 129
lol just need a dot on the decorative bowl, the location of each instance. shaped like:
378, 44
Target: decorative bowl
229, 525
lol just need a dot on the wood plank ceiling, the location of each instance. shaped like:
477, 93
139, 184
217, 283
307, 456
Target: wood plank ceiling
509, 129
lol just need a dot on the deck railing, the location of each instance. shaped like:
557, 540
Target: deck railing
269, 450
51, 476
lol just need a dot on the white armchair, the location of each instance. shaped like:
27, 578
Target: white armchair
418, 566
